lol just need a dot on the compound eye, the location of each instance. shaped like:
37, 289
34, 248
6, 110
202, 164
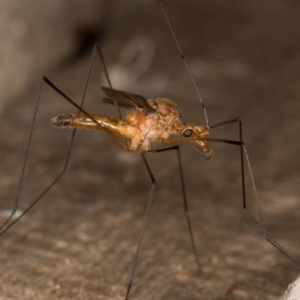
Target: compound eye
187, 132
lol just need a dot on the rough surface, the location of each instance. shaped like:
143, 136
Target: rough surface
79, 241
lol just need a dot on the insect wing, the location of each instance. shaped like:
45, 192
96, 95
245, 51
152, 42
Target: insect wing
126, 98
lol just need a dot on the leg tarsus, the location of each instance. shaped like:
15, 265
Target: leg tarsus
185, 203
260, 222
142, 233
4, 227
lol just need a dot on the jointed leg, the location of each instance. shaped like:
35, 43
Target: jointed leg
244, 155
149, 202
107, 77
185, 203
6, 225
84, 112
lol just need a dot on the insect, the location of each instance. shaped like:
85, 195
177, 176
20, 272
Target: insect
186, 133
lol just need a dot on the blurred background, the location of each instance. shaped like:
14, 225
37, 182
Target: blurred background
79, 241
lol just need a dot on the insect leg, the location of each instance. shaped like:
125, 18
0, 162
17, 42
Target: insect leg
185, 202
150, 200
3, 226
97, 123
184, 62
7, 224
244, 156
107, 77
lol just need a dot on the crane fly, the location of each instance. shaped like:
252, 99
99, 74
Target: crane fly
149, 122
152, 121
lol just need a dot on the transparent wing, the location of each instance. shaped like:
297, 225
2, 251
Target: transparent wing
112, 102
125, 98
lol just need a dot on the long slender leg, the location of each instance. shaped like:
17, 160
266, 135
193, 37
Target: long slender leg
142, 233
243, 149
16, 203
6, 225
97, 123
184, 62
185, 202
150, 200
107, 77
244, 156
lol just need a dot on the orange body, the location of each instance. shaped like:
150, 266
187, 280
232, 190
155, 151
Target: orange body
157, 122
